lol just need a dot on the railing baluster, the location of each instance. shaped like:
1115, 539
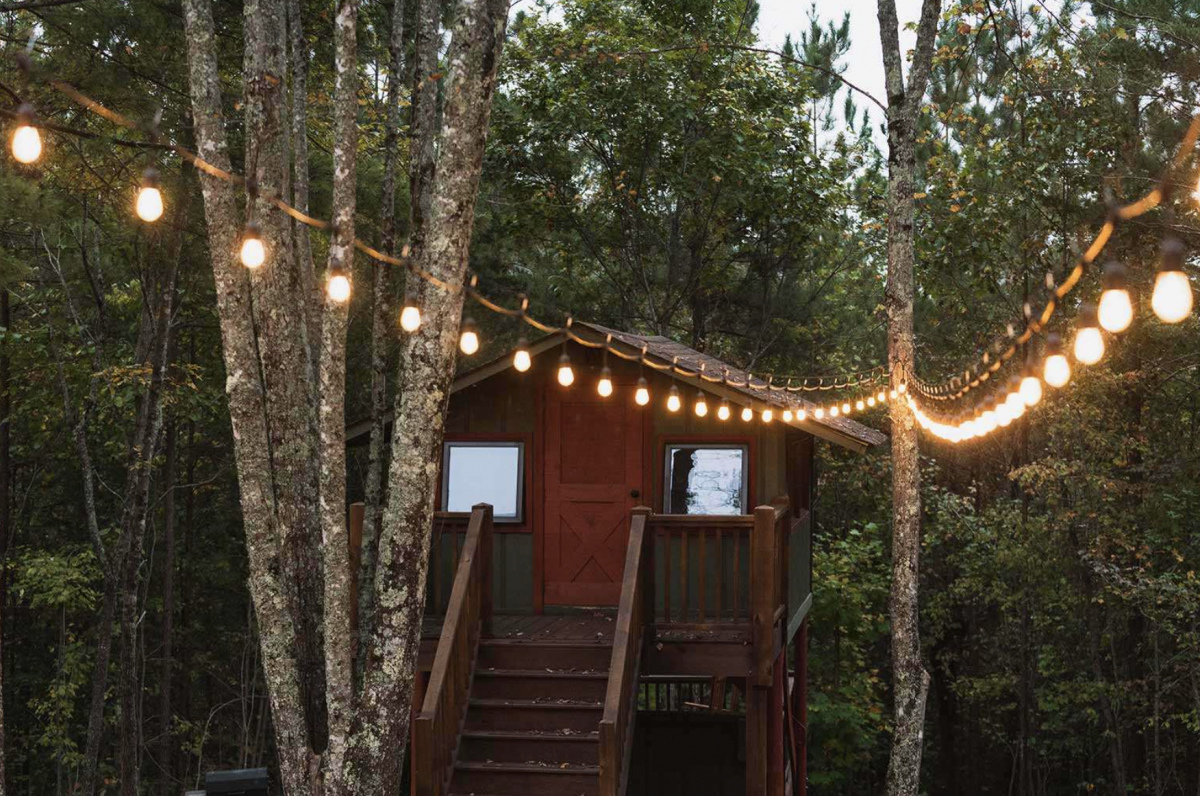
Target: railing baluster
720, 571
702, 566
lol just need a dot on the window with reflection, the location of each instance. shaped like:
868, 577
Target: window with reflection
706, 479
484, 472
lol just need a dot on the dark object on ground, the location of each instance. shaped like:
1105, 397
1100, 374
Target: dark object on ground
244, 782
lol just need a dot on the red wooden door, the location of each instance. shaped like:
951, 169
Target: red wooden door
593, 477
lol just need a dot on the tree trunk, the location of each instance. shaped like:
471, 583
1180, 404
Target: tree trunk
5, 514
248, 415
375, 759
910, 681
380, 328
166, 747
339, 642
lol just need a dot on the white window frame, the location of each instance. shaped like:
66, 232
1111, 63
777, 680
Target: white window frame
449, 446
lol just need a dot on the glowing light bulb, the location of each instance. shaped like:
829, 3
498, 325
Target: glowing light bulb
468, 339
410, 321
903, 387
701, 406
605, 386
723, 410
892, 395
787, 415
882, 396
522, 361
846, 408
254, 253
801, 415
1172, 298
1058, 369
871, 400
566, 376
1003, 415
673, 401
859, 404
149, 205
26, 139
768, 416
1031, 389
819, 413
834, 411
1116, 308
747, 414
1089, 342
642, 395
339, 285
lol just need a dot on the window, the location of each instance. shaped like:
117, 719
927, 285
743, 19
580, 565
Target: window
484, 472
706, 479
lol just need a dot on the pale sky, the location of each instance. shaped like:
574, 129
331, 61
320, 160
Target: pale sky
778, 18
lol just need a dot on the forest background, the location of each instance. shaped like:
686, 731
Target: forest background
650, 170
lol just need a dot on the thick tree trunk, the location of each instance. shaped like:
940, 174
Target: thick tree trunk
278, 636
910, 681
5, 514
376, 758
339, 642
380, 329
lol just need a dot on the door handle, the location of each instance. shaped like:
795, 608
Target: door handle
635, 493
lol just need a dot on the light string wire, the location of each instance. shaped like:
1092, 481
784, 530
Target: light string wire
845, 381
988, 366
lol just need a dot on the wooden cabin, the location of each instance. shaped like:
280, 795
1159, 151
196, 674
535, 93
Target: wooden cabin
614, 587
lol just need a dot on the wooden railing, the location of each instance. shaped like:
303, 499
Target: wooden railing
769, 558
704, 578
449, 537
636, 611
437, 727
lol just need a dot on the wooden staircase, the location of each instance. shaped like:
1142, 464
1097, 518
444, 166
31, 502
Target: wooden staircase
532, 722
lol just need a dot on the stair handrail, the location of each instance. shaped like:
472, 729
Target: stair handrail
438, 727
634, 615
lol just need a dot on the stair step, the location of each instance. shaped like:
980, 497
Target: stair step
524, 714
529, 747
518, 779
583, 657
539, 683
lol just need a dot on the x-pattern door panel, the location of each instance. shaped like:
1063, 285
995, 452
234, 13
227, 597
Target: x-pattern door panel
593, 471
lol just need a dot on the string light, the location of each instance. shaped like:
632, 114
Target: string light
410, 321
149, 205
882, 397
787, 415
1172, 298
892, 394
339, 284
642, 395
1058, 369
566, 376
605, 385
701, 404
859, 404
747, 414
723, 410
834, 411
1031, 385
1013, 399
673, 401
1089, 341
254, 253
468, 340
767, 415
871, 400
522, 361
1116, 308
846, 408
26, 139
801, 415
818, 413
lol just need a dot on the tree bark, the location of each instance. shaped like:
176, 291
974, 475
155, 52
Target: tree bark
380, 326
910, 680
339, 641
375, 759
248, 414
5, 514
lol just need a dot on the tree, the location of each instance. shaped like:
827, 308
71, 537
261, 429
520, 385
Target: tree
910, 681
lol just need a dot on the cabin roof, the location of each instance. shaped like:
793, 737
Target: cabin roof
712, 373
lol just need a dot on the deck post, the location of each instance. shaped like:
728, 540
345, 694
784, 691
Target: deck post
763, 597
800, 709
758, 712
648, 611
486, 569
